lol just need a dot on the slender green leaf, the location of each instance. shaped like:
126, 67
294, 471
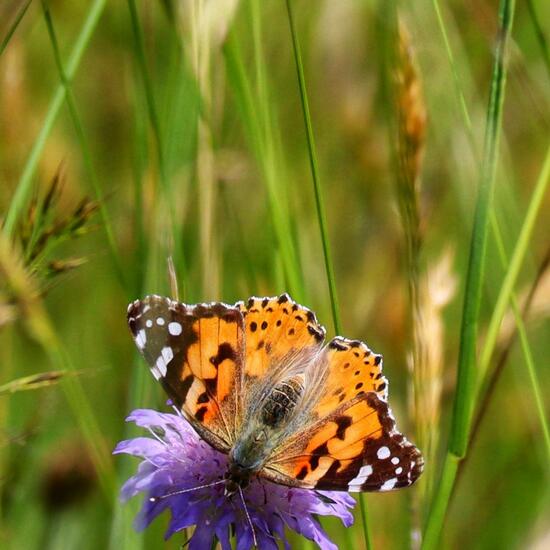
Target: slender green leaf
24, 186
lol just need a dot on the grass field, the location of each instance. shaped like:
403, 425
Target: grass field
386, 163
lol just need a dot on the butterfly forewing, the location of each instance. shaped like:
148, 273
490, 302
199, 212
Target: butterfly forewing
196, 353
275, 328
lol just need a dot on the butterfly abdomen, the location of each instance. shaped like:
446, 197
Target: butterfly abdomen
281, 402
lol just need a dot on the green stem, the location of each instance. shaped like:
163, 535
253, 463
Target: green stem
490, 385
86, 153
540, 34
440, 502
24, 185
321, 214
466, 372
257, 128
176, 244
520, 325
319, 202
498, 239
533, 378
514, 266
456, 76
463, 405
148, 85
14, 26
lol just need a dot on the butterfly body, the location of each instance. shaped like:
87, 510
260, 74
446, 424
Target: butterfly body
257, 382
262, 431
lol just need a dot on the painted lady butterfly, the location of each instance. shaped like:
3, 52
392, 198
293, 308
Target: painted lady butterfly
256, 382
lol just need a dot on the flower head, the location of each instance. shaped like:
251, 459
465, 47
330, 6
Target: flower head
183, 473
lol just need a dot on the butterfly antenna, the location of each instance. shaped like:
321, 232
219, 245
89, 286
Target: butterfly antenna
248, 518
167, 495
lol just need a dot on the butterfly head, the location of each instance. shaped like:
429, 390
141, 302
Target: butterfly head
236, 477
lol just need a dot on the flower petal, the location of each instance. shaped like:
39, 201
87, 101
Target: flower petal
202, 537
144, 447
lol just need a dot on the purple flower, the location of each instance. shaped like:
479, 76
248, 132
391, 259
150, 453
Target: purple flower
176, 459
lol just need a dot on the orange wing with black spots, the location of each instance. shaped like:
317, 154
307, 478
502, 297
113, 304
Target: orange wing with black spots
277, 330
196, 352
356, 448
352, 369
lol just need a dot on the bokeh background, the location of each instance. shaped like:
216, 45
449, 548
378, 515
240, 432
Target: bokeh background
134, 132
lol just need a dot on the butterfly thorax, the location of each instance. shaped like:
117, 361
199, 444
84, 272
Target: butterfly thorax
262, 432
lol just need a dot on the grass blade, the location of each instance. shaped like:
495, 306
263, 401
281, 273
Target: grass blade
319, 202
321, 217
33, 382
463, 405
18, 18
147, 85
86, 153
514, 267
257, 128
466, 380
520, 325
24, 186
540, 34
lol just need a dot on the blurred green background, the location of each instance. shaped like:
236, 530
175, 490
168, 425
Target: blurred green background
133, 132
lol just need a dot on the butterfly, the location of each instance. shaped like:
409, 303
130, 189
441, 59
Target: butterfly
257, 381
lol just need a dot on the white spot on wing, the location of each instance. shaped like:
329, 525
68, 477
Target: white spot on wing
389, 485
141, 339
167, 354
161, 366
174, 328
148, 323
383, 453
160, 321
360, 478
398, 470
156, 373
395, 460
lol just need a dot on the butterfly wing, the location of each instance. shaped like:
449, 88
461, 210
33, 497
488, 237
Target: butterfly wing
196, 352
356, 448
350, 368
281, 337
349, 441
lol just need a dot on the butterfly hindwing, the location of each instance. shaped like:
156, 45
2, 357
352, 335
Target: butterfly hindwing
196, 353
356, 448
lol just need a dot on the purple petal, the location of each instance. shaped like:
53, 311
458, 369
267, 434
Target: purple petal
202, 537
143, 447
147, 418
